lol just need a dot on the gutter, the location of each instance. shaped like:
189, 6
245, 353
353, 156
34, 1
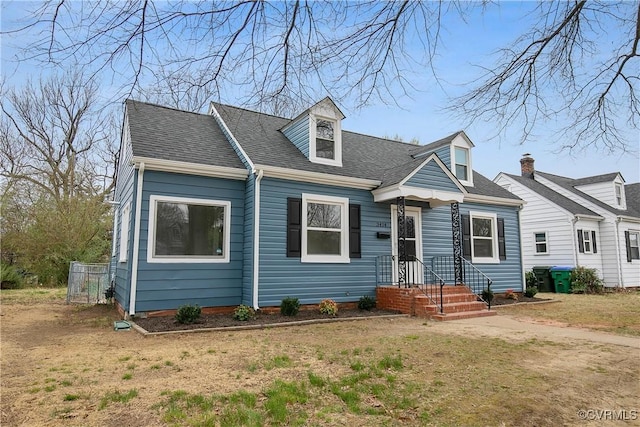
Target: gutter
256, 238
136, 242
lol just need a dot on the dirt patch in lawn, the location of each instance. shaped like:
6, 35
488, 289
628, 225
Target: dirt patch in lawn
499, 300
168, 323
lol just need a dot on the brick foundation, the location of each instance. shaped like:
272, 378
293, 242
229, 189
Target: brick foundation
396, 299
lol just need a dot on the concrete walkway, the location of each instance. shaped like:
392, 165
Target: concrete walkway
505, 326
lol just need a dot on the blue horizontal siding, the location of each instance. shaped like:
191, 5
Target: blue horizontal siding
298, 134
164, 286
282, 277
125, 194
444, 153
431, 176
247, 268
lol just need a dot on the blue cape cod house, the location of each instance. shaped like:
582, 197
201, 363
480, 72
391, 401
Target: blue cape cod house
239, 207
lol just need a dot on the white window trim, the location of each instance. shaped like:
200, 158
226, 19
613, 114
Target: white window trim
343, 202
494, 238
337, 140
469, 181
116, 223
124, 233
535, 243
586, 236
637, 233
617, 186
151, 240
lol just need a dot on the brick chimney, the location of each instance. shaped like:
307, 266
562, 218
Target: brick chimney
526, 165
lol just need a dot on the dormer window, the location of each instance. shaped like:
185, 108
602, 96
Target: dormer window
325, 143
619, 194
461, 163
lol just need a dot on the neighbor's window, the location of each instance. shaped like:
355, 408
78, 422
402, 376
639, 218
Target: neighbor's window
541, 242
634, 242
188, 230
461, 163
325, 142
619, 194
484, 238
586, 241
325, 232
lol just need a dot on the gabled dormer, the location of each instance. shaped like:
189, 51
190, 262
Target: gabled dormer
317, 133
608, 188
455, 152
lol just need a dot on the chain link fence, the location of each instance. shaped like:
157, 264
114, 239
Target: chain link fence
87, 283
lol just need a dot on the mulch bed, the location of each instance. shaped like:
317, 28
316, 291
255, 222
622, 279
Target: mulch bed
168, 323
498, 300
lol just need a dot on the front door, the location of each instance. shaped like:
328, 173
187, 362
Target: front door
413, 247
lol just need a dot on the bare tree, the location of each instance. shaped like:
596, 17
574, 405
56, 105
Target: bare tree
56, 163
281, 56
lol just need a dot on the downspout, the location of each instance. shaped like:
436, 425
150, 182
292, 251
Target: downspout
522, 272
574, 242
618, 259
136, 242
256, 238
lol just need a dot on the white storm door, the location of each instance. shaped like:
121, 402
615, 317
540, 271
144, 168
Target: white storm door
414, 273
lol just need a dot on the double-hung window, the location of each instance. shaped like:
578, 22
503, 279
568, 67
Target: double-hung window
184, 230
325, 141
586, 242
325, 232
484, 237
124, 232
632, 239
618, 187
461, 163
540, 239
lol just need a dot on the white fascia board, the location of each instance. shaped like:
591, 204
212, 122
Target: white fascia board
191, 168
430, 195
442, 166
318, 178
633, 219
477, 198
589, 217
213, 112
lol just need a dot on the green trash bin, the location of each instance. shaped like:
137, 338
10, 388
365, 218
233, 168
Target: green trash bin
543, 279
561, 275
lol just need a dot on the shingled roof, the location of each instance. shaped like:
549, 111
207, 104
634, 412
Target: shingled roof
553, 196
570, 184
165, 133
363, 156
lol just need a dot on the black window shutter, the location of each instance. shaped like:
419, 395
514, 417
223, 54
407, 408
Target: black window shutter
580, 242
627, 241
294, 227
355, 248
466, 236
502, 247
593, 242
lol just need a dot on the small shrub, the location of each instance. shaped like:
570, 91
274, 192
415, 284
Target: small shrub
328, 306
289, 306
487, 295
531, 291
188, 314
366, 303
10, 277
530, 279
244, 313
586, 280
509, 294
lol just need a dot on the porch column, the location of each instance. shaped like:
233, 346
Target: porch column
457, 242
402, 239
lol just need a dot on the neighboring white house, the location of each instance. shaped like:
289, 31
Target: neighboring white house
592, 222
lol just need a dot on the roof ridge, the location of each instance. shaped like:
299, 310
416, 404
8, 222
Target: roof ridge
152, 104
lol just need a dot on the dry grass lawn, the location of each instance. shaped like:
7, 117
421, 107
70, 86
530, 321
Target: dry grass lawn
617, 312
65, 366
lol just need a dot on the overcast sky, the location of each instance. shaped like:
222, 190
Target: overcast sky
422, 114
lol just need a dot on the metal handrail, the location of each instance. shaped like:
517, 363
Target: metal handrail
472, 276
430, 279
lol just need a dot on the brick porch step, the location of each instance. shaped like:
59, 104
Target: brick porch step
463, 315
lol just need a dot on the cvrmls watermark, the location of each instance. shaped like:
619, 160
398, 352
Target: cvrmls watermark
608, 414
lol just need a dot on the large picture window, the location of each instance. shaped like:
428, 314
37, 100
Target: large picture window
325, 233
188, 230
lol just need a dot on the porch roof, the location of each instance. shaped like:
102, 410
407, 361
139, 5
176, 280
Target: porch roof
427, 180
